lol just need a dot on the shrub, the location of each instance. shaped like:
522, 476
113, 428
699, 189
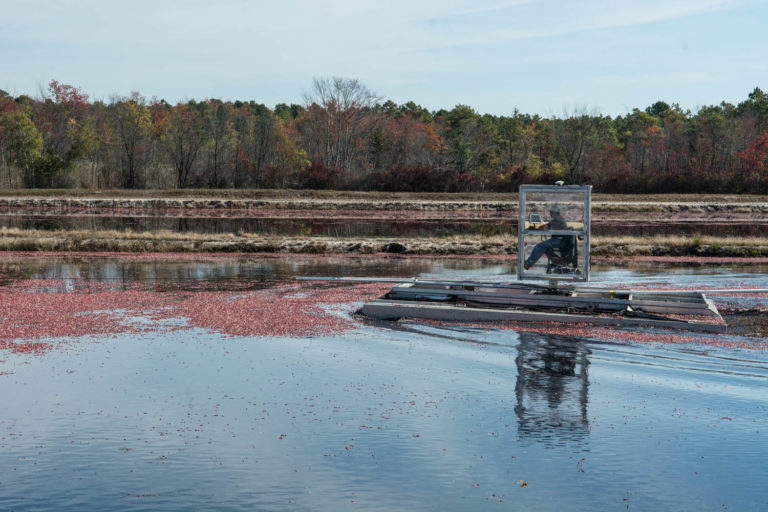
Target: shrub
321, 177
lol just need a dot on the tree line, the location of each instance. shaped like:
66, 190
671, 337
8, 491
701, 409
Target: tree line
343, 136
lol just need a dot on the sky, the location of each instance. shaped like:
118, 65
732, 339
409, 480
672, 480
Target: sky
546, 57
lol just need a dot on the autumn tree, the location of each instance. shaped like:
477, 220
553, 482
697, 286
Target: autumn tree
338, 121
639, 132
6, 103
243, 125
715, 146
290, 160
62, 121
288, 112
22, 145
343, 136
460, 121
262, 144
184, 135
673, 151
255, 142
104, 166
405, 136
404, 152
132, 125
754, 160
756, 107
575, 134
221, 136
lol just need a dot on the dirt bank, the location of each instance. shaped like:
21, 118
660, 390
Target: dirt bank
118, 241
605, 206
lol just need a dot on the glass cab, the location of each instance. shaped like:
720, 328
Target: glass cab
553, 232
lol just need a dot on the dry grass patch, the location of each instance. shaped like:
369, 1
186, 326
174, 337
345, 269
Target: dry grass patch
229, 194
678, 240
15, 239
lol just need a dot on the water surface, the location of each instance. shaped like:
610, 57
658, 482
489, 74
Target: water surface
387, 416
366, 223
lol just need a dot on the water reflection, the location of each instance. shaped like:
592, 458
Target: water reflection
224, 274
300, 226
365, 224
552, 389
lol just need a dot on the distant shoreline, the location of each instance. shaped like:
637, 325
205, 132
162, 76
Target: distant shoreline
630, 210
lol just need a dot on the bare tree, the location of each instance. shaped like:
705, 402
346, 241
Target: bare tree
222, 135
575, 134
184, 137
340, 114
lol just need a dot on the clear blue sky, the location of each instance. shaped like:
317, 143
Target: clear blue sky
539, 56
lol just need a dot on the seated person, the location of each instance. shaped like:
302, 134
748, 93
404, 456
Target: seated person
562, 243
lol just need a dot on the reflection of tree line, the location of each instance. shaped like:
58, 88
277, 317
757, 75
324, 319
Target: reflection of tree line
12, 271
552, 388
329, 226
285, 227
252, 273
160, 276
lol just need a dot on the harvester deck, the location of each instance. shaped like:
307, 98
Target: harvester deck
482, 302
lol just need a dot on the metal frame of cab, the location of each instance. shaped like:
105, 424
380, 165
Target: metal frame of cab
552, 191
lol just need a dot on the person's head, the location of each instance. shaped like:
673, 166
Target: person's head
554, 210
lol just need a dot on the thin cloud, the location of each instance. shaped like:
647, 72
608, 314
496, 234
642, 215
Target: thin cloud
571, 17
495, 7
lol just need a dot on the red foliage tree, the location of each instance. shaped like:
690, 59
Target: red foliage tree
754, 161
7, 105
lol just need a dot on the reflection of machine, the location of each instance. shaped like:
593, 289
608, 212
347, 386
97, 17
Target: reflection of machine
552, 388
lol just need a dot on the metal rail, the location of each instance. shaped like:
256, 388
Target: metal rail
501, 284
402, 280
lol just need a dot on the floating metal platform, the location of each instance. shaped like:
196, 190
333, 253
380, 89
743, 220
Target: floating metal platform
491, 302
561, 240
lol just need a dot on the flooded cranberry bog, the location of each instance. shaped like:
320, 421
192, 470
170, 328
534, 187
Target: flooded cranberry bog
170, 382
